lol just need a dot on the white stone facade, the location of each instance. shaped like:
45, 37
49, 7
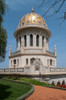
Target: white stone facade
32, 45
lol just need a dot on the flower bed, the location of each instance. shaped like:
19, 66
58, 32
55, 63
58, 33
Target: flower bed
63, 86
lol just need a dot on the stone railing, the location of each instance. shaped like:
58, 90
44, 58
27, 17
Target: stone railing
49, 52
57, 69
12, 70
27, 70
15, 52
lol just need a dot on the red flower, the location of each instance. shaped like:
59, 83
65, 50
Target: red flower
63, 86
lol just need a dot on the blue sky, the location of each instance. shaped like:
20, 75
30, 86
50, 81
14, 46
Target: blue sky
17, 9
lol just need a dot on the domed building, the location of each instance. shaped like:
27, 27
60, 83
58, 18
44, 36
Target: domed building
32, 38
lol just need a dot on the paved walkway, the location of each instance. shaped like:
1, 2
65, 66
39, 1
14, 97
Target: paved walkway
44, 93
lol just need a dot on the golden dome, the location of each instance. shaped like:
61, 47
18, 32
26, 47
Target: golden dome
32, 19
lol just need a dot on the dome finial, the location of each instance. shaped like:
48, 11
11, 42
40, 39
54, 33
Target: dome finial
32, 10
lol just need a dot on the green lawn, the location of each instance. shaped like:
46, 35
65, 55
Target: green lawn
11, 90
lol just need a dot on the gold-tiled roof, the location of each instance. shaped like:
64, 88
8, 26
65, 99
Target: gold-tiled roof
32, 19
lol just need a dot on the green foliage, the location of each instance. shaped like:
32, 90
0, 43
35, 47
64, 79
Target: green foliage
12, 90
63, 82
34, 82
58, 83
3, 42
3, 33
53, 83
3, 7
11, 77
28, 80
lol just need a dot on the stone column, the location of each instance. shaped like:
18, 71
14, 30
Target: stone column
10, 50
34, 40
40, 41
22, 47
29, 61
48, 62
28, 39
55, 50
44, 47
47, 43
18, 44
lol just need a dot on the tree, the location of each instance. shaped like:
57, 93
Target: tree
63, 82
58, 83
56, 5
3, 33
53, 83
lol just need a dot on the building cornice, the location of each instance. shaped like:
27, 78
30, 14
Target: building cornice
32, 26
23, 54
31, 48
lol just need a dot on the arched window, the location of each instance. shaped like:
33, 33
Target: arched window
11, 63
17, 43
46, 39
42, 41
37, 40
51, 62
14, 61
27, 61
25, 41
31, 40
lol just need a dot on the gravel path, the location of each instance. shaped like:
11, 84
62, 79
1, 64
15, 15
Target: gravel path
44, 93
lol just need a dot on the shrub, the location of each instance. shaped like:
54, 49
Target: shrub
28, 80
13, 77
63, 82
53, 83
33, 81
59, 86
58, 83
63, 86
